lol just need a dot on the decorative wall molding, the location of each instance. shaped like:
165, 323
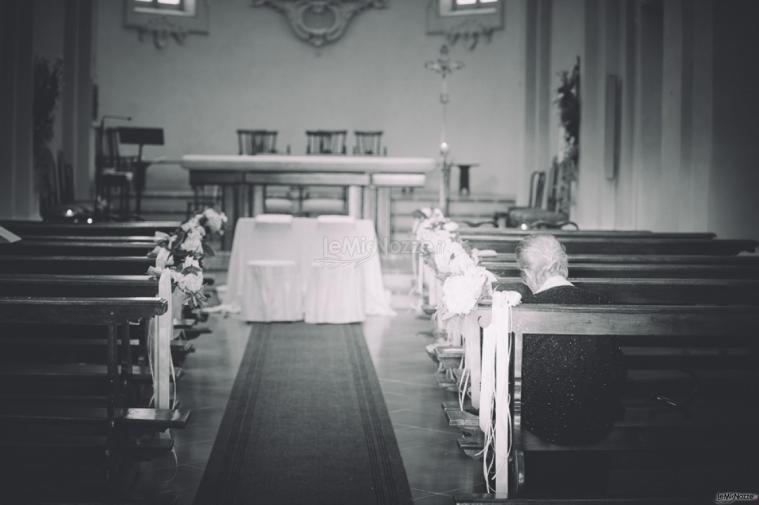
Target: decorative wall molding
160, 26
320, 22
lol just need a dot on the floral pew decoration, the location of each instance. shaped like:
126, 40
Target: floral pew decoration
181, 254
433, 232
465, 286
179, 271
456, 285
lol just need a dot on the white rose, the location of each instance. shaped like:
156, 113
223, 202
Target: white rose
193, 242
163, 258
191, 282
190, 224
189, 261
445, 251
461, 263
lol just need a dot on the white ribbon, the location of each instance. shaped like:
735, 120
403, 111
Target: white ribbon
470, 332
160, 330
495, 396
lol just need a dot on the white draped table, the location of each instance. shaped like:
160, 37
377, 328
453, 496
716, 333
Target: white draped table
304, 241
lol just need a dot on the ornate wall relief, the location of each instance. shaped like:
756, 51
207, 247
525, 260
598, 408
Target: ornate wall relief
320, 22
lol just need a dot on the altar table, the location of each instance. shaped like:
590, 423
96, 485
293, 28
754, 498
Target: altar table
304, 241
242, 179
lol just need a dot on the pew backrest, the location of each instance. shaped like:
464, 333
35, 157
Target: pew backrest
35, 247
652, 291
105, 286
28, 228
79, 310
57, 264
664, 259
624, 245
653, 270
466, 232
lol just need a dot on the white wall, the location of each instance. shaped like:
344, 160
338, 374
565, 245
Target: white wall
688, 120
252, 72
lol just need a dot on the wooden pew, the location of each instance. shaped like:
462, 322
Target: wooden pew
74, 248
466, 232
654, 291
640, 270
624, 245
71, 409
620, 291
664, 259
146, 228
717, 429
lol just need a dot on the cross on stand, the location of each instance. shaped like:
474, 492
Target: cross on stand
444, 67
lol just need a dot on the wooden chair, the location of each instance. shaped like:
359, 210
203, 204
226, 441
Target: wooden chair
369, 143
257, 141
326, 141
252, 142
535, 215
113, 178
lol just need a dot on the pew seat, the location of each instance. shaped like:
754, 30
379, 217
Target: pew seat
138, 417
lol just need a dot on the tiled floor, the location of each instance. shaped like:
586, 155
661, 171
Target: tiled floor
435, 466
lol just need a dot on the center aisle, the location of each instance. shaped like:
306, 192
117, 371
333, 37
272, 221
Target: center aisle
306, 422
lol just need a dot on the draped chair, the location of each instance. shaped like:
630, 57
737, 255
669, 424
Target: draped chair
324, 201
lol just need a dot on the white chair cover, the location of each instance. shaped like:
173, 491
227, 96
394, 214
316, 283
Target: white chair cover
272, 291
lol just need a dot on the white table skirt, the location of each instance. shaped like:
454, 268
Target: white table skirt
305, 241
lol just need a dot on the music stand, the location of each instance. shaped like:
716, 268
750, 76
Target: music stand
130, 135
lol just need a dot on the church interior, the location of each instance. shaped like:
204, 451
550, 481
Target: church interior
374, 251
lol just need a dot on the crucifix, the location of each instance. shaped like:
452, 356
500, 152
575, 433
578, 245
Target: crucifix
444, 67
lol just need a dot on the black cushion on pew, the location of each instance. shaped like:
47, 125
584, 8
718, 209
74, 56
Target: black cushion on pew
108, 265
629, 246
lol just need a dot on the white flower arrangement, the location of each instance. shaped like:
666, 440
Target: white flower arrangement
462, 291
188, 242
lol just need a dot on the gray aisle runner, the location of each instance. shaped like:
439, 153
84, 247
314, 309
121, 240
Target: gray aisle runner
306, 423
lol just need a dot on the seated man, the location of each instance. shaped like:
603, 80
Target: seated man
571, 384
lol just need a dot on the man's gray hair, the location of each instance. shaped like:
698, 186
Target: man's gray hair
543, 254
